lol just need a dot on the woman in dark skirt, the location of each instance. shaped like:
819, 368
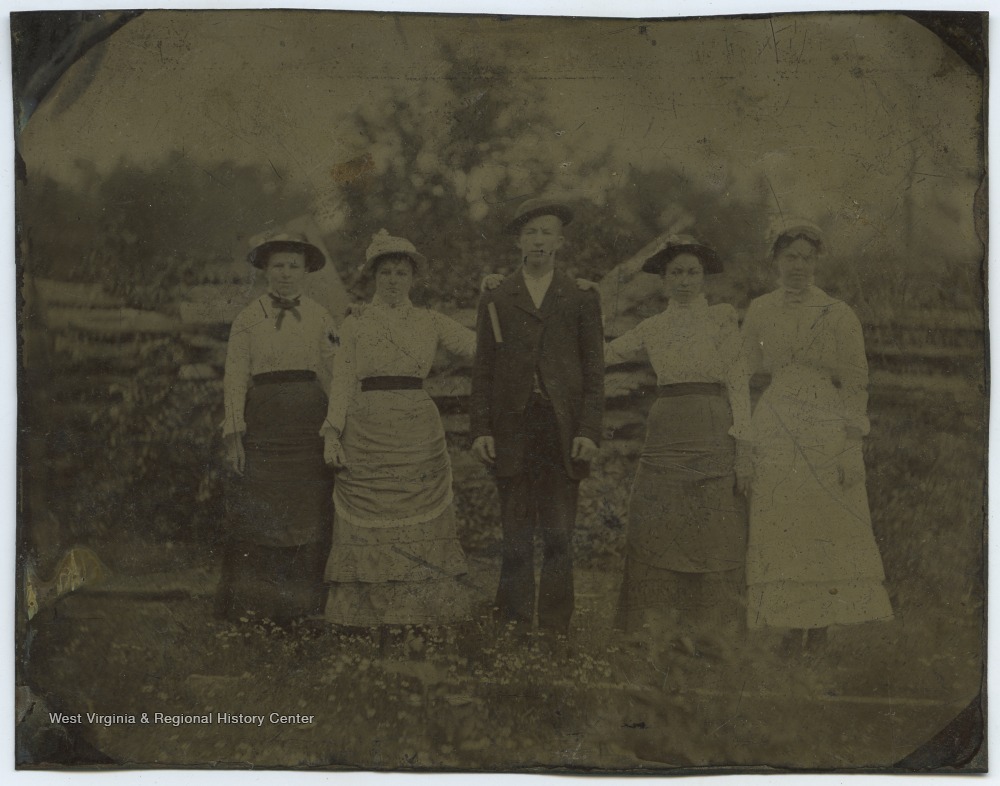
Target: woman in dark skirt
278, 506
686, 538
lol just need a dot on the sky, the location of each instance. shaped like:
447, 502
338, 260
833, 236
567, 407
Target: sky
868, 119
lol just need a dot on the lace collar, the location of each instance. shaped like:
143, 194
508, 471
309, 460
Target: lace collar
796, 297
698, 305
402, 307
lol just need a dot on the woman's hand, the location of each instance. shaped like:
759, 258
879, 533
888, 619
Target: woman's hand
584, 449
333, 452
851, 464
490, 282
236, 457
744, 480
744, 467
585, 284
484, 449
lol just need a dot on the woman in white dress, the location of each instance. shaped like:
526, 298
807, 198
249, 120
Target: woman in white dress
686, 539
395, 558
812, 559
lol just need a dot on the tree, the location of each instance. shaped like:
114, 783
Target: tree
150, 232
447, 161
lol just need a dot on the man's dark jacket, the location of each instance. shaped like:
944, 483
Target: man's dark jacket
564, 342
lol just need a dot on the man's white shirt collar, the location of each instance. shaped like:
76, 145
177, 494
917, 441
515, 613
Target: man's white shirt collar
537, 287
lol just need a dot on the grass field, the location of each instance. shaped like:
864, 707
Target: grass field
474, 698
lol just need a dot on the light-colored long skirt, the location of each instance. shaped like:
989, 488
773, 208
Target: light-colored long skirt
812, 559
395, 557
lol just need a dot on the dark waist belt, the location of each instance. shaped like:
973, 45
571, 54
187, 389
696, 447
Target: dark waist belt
391, 383
691, 389
274, 377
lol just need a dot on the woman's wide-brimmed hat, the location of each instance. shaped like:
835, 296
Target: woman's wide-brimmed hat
538, 206
263, 246
383, 244
671, 246
794, 228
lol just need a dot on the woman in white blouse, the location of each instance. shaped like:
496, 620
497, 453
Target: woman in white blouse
280, 351
812, 559
686, 537
395, 557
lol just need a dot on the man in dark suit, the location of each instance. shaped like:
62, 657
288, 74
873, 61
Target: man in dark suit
537, 401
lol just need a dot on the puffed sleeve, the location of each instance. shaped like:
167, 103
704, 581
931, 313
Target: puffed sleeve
852, 369
454, 337
736, 379
344, 383
626, 346
236, 378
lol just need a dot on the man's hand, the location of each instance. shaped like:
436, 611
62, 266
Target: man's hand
490, 282
584, 449
485, 449
333, 452
585, 284
236, 456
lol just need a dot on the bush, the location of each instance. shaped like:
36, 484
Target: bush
147, 456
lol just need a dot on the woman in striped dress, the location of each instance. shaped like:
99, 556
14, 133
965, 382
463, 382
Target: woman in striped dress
395, 558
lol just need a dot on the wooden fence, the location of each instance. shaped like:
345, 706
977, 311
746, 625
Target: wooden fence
84, 353
93, 333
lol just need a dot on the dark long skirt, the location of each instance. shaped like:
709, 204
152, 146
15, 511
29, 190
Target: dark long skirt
279, 513
687, 530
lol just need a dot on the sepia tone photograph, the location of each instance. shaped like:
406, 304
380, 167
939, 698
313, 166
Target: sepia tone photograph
411, 392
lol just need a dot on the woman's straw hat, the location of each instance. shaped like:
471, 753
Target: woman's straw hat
383, 244
263, 246
795, 228
671, 246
